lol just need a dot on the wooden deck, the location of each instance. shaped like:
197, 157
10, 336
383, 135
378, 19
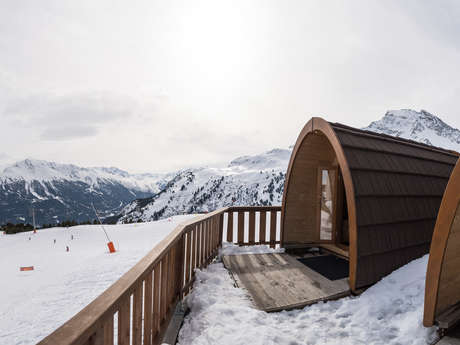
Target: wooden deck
279, 282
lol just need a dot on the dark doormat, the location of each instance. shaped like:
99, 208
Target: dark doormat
330, 266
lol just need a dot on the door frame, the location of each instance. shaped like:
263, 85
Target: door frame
335, 232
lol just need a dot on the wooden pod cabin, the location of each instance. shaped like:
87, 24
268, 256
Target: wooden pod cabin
368, 197
442, 290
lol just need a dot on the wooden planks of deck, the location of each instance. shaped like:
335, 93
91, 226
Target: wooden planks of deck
279, 282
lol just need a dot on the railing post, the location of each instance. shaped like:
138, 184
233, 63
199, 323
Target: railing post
217, 234
199, 260
148, 310
240, 228
194, 249
108, 331
211, 239
263, 227
204, 240
172, 275
137, 315
230, 227
124, 321
221, 229
273, 229
164, 286
208, 240
187, 248
252, 227
157, 290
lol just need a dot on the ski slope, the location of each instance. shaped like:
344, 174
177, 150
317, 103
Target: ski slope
33, 304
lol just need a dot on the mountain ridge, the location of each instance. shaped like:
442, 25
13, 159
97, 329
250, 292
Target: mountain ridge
65, 191
61, 192
405, 123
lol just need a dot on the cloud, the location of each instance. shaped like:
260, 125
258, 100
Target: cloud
188, 83
68, 133
70, 116
5, 160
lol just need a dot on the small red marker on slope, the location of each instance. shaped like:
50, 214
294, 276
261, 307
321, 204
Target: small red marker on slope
110, 243
26, 268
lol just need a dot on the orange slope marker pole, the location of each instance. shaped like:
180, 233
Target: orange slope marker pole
110, 243
26, 268
33, 216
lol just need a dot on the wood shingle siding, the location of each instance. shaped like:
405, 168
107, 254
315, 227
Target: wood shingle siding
395, 164
374, 210
379, 239
398, 189
379, 183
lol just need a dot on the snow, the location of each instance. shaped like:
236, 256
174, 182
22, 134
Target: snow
33, 304
390, 313
233, 249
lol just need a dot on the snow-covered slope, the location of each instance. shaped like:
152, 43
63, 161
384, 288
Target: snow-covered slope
259, 180
33, 304
65, 191
419, 126
248, 180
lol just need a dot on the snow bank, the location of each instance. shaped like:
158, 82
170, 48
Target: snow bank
33, 304
233, 249
390, 312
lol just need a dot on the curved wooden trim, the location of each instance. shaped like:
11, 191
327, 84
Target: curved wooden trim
439, 242
319, 124
308, 128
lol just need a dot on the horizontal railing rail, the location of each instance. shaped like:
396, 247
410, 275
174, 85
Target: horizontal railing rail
137, 308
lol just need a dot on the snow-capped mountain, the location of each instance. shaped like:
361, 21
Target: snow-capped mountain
64, 191
419, 126
60, 192
259, 180
248, 180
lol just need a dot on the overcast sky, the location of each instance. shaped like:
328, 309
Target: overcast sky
160, 85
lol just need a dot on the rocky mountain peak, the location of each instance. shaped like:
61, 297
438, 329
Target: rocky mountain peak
420, 126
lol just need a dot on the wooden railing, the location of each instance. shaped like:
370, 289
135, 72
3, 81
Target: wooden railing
137, 308
253, 225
